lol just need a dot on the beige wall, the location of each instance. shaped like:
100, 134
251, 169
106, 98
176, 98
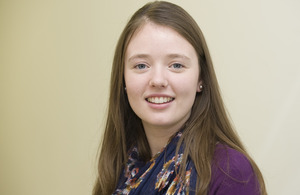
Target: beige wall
55, 61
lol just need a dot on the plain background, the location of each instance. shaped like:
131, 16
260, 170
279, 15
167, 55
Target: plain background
55, 61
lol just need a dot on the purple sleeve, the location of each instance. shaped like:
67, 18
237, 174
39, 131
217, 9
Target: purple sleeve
232, 174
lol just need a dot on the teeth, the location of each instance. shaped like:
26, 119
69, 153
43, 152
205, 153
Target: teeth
159, 100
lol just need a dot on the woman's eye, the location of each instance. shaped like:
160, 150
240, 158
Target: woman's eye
141, 66
177, 65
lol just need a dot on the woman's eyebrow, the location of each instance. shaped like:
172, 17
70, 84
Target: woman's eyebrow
139, 56
175, 55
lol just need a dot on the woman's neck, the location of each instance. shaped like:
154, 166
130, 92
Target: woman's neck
158, 137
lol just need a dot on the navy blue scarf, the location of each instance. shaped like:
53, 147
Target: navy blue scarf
159, 175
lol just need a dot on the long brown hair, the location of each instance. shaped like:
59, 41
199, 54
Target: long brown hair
207, 125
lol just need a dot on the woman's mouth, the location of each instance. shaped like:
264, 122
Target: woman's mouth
159, 100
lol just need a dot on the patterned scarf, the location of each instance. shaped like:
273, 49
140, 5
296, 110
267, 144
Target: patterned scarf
159, 175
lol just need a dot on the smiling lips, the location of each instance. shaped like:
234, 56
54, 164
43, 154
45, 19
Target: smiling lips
159, 100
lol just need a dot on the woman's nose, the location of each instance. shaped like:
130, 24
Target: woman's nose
158, 79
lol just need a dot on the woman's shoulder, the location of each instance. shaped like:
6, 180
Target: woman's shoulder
232, 173
231, 161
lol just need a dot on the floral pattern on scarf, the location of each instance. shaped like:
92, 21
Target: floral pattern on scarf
159, 175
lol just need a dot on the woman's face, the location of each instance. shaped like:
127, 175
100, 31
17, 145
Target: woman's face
161, 76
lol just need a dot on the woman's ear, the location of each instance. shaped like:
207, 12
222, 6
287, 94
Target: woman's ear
200, 86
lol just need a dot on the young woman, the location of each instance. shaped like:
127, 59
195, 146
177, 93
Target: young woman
167, 131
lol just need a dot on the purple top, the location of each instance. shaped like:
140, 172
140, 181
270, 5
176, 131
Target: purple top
231, 173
